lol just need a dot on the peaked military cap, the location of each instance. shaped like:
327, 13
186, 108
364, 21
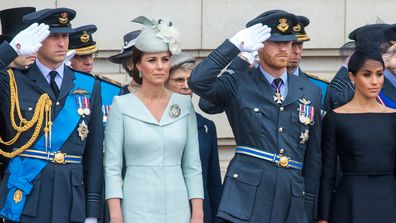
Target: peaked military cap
11, 22
299, 29
369, 37
129, 41
57, 19
390, 33
280, 22
81, 40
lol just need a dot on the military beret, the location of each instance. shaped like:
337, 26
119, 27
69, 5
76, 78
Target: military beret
179, 59
129, 41
11, 22
280, 22
57, 19
299, 29
81, 40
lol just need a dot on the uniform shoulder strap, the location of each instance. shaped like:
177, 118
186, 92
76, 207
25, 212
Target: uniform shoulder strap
108, 80
317, 77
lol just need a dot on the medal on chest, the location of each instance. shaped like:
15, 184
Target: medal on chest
83, 130
306, 112
304, 136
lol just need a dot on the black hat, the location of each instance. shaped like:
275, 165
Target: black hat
280, 22
129, 41
11, 22
81, 40
57, 19
390, 33
369, 37
299, 29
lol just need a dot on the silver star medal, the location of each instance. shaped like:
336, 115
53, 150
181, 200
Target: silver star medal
304, 136
278, 98
174, 111
82, 130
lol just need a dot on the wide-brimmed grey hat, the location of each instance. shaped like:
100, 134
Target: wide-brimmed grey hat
157, 37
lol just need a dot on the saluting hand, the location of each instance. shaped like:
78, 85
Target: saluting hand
28, 41
251, 39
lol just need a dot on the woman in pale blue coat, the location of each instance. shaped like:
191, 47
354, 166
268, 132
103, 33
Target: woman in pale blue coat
156, 131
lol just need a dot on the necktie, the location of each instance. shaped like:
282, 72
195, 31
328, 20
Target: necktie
276, 84
53, 84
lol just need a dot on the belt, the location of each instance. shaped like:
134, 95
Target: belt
55, 157
279, 159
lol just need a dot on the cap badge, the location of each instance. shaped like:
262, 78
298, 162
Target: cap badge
174, 111
297, 28
283, 26
63, 19
84, 38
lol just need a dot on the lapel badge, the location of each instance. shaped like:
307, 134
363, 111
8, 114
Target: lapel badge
278, 98
304, 136
82, 130
206, 128
17, 196
174, 111
283, 26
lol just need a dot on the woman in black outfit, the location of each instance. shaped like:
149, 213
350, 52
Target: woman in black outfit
362, 134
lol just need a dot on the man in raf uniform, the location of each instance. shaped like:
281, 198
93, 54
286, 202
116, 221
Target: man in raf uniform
275, 119
293, 66
55, 132
82, 42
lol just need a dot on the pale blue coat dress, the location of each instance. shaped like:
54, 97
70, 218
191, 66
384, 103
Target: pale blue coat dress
163, 167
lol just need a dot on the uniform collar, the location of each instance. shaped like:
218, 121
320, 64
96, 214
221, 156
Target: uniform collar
296, 71
270, 78
45, 70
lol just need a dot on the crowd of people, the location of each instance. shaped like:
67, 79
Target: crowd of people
80, 147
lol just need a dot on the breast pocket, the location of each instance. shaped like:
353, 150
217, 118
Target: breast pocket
27, 110
240, 190
255, 118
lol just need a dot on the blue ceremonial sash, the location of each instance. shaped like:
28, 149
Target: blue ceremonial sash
23, 172
387, 101
108, 91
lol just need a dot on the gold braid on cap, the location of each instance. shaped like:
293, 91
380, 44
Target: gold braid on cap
43, 108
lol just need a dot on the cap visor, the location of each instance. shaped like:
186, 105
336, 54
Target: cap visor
282, 38
118, 58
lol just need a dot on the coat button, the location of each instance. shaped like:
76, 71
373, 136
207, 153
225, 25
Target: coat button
303, 193
235, 175
280, 129
30, 108
256, 110
57, 103
281, 108
281, 151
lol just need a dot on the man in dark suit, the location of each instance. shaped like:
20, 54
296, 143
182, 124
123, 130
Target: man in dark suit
55, 171
275, 118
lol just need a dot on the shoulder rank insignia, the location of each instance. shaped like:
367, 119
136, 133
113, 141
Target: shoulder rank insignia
108, 80
314, 76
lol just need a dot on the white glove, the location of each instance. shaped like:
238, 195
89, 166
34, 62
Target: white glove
69, 56
250, 57
91, 220
28, 41
252, 38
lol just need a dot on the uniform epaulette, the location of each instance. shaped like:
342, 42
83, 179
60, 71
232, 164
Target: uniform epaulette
82, 72
108, 80
316, 77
